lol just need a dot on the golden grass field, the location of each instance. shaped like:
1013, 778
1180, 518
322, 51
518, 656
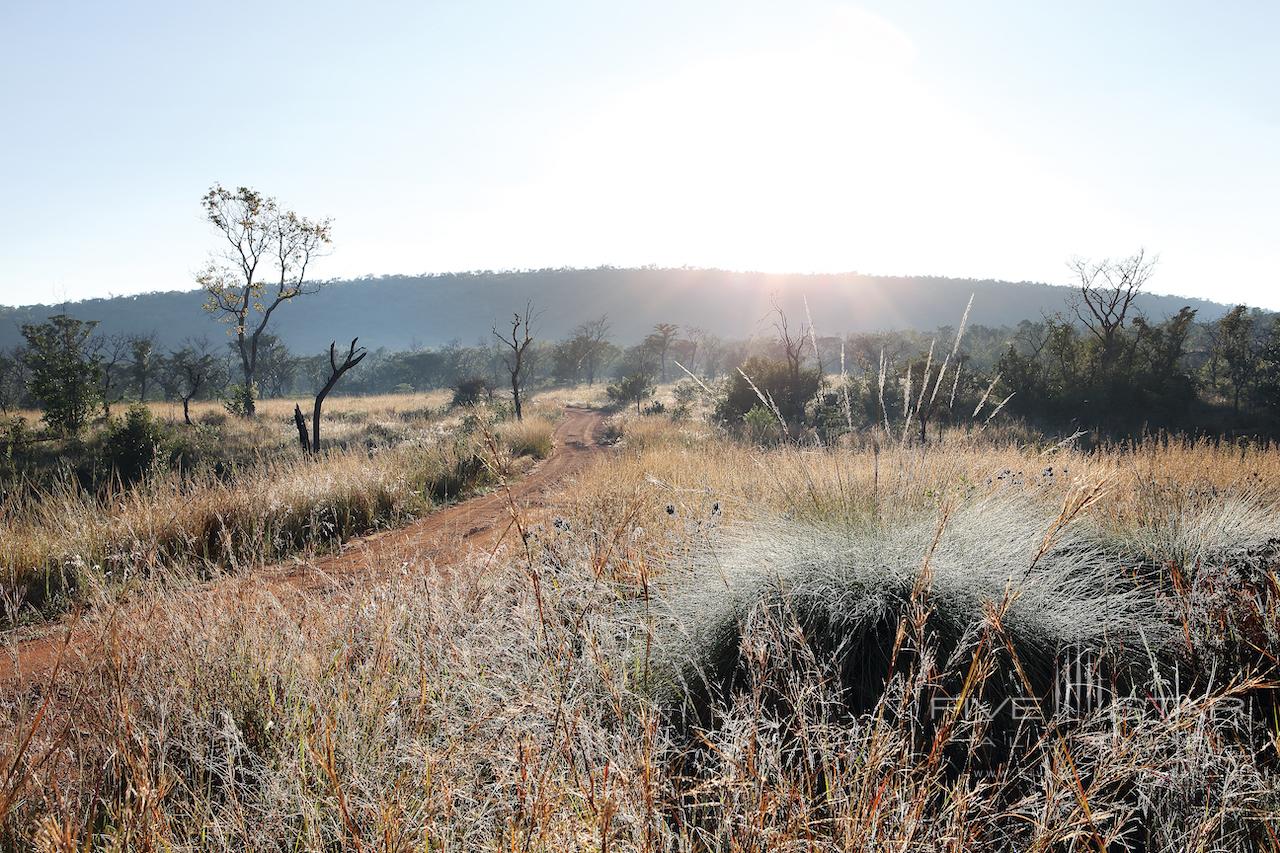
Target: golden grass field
388, 459
541, 700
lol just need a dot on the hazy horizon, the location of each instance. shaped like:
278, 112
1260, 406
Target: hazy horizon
990, 141
1154, 291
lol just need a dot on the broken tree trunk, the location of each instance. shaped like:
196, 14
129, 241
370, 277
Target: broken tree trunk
301, 423
354, 356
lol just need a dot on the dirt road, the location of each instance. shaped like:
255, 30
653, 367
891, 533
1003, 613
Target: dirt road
436, 539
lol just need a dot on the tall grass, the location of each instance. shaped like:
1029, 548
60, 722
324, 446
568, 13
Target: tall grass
69, 542
529, 437
525, 700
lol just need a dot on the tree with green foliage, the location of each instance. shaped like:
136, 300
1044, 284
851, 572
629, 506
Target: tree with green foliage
13, 379
784, 387
660, 341
1269, 369
1235, 342
64, 371
142, 348
263, 264
634, 388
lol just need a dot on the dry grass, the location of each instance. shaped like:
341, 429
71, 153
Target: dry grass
73, 544
586, 396
277, 408
253, 498
528, 437
531, 701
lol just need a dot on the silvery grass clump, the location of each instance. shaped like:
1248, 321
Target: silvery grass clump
824, 666
1204, 529
1004, 562
1217, 551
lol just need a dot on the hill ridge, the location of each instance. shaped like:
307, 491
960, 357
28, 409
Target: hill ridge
398, 311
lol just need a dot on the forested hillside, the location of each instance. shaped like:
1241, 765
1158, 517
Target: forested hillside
405, 312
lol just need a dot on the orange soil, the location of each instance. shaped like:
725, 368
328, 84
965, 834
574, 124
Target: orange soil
439, 538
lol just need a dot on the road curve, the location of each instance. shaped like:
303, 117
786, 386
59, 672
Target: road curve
437, 538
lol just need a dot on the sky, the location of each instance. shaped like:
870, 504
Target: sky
976, 139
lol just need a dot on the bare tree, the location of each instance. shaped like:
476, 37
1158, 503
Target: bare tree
793, 344
594, 336
706, 344
113, 353
694, 337
263, 265
354, 356
195, 365
660, 341
517, 344
1107, 290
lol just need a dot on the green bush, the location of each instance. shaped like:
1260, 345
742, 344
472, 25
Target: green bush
131, 445
470, 391
686, 393
761, 426
776, 382
237, 398
631, 389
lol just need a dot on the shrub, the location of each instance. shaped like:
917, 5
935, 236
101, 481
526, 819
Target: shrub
775, 381
761, 426
833, 414
631, 389
470, 391
237, 399
686, 393
14, 433
655, 407
130, 445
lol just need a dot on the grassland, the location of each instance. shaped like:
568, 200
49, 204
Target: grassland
715, 646
241, 493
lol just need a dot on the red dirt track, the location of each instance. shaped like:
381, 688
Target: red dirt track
439, 538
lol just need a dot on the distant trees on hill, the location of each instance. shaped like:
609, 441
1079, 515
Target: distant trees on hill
1097, 362
407, 312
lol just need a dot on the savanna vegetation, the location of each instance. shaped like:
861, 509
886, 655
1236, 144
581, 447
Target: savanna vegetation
979, 589
980, 642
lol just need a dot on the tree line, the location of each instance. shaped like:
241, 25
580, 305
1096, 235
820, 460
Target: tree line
1174, 373
1099, 363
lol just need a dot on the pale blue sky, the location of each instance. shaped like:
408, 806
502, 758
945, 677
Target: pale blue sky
965, 139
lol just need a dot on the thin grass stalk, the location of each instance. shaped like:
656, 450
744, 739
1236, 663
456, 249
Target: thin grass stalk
844, 386
985, 395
